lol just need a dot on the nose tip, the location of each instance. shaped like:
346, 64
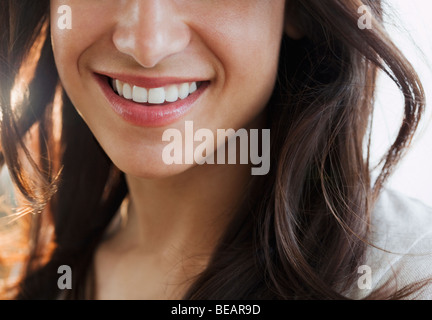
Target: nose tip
151, 30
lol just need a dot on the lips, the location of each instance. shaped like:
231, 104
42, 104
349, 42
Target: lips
150, 102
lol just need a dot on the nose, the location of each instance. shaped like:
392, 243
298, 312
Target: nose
150, 30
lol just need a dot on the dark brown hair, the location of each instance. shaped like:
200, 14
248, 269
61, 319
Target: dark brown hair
302, 230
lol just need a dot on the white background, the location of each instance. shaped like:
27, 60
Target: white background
410, 24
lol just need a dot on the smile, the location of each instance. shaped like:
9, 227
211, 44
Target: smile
160, 95
150, 102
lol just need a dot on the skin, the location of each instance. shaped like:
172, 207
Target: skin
176, 213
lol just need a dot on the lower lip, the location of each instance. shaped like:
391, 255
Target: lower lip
148, 116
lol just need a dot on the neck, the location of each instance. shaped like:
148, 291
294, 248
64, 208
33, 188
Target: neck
185, 212
174, 225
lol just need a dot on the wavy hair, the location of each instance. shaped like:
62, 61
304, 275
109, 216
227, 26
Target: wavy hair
302, 230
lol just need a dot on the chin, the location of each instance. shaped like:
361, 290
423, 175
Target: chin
154, 171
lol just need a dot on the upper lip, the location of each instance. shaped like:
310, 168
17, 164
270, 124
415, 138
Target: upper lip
147, 82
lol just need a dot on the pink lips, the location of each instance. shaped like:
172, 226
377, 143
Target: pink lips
146, 115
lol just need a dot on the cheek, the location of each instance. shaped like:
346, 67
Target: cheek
247, 38
247, 46
88, 23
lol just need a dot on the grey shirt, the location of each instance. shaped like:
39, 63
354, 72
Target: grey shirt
403, 227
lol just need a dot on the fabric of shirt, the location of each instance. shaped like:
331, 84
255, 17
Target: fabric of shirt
401, 232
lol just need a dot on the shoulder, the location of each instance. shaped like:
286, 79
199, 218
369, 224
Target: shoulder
401, 243
397, 213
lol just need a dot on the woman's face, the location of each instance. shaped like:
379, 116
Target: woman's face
155, 52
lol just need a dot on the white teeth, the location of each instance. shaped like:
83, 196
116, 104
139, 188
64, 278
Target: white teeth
156, 95
193, 87
119, 87
184, 91
140, 94
170, 93
127, 91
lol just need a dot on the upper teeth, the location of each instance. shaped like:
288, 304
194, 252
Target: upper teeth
160, 95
